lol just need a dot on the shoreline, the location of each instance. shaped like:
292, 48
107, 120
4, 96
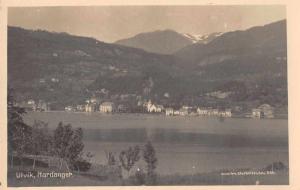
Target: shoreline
281, 116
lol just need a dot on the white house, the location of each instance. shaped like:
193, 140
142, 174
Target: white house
151, 108
225, 113
256, 113
31, 102
169, 111
122, 108
42, 80
90, 107
183, 112
55, 80
159, 108
42, 106
140, 103
264, 110
202, 111
80, 107
267, 110
176, 112
215, 111
69, 108
107, 107
228, 113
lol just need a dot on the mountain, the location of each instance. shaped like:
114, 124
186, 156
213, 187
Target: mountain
161, 41
255, 58
256, 41
249, 66
166, 41
66, 69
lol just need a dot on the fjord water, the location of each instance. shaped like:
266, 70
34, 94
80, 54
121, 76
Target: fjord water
184, 145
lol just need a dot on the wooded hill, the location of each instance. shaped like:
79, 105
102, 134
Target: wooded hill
64, 69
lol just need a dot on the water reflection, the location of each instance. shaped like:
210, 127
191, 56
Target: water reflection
159, 135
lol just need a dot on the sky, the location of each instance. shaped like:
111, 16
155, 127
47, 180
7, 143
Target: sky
111, 23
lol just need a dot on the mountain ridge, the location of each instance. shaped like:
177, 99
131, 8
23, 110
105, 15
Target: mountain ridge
160, 41
237, 41
65, 69
165, 41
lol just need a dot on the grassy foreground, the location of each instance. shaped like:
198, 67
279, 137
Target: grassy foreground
86, 179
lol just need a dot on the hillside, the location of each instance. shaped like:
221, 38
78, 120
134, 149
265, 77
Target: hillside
249, 67
257, 41
62, 68
255, 59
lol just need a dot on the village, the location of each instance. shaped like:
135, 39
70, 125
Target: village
148, 107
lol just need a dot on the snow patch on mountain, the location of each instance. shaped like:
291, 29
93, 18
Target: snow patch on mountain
193, 37
199, 38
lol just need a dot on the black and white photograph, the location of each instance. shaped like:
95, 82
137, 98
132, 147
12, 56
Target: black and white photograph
148, 95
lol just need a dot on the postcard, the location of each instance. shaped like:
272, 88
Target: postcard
147, 95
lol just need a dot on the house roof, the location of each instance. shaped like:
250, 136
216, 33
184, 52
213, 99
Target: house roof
107, 104
265, 106
153, 105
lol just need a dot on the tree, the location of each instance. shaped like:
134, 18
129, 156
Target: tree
151, 161
62, 139
41, 139
83, 162
68, 143
19, 133
76, 147
111, 161
89, 156
129, 157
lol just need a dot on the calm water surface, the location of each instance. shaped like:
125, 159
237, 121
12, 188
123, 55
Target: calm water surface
183, 144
